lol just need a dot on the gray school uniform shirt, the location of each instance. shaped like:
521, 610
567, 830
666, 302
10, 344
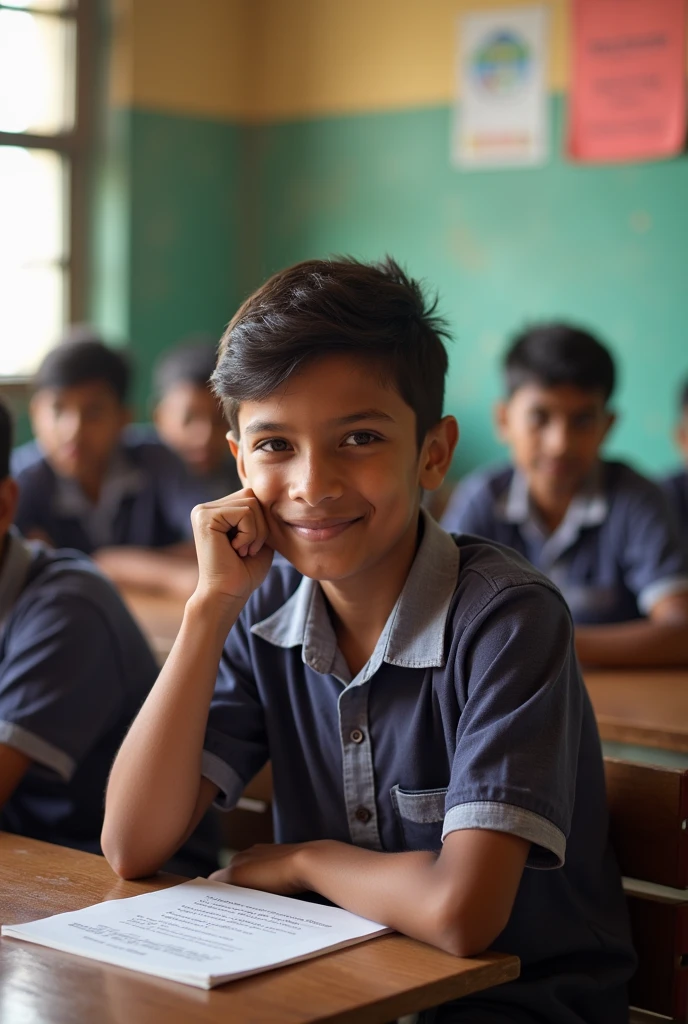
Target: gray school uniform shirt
615, 554
74, 670
470, 713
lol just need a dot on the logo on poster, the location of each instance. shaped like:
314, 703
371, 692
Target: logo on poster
501, 64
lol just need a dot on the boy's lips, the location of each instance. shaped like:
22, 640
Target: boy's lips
320, 529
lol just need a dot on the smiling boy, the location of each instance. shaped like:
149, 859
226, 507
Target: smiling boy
602, 532
435, 756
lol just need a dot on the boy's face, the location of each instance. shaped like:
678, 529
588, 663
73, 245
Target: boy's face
189, 419
333, 459
79, 427
555, 435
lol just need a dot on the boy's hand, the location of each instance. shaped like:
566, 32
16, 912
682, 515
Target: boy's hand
271, 867
232, 546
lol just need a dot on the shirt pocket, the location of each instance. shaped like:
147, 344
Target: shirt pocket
420, 814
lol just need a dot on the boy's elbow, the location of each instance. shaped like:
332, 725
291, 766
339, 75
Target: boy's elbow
467, 930
123, 857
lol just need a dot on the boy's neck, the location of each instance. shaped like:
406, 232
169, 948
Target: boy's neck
360, 606
92, 484
551, 509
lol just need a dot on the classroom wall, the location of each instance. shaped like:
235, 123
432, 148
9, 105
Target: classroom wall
267, 131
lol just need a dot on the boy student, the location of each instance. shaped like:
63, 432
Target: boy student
189, 419
74, 670
435, 756
86, 484
676, 486
599, 530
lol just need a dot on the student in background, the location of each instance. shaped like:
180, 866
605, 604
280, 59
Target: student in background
189, 419
74, 670
436, 760
676, 486
599, 530
86, 484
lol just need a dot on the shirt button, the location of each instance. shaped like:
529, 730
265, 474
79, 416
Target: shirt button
356, 736
363, 815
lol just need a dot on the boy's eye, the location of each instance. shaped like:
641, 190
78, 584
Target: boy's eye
273, 444
359, 438
537, 418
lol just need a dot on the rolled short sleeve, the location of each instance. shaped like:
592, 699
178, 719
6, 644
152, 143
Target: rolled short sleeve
235, 746
470, 508
515, 763
654, 561
60, 681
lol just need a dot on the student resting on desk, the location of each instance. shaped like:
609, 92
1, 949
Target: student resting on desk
435, 756
599, 530
85, 483
74, 670
676, 486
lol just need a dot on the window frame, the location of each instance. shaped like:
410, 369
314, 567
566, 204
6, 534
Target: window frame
75, 145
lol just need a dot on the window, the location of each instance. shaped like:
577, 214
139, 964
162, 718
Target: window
42, 155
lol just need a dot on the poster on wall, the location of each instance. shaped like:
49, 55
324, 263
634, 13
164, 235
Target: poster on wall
501, 113
628, 91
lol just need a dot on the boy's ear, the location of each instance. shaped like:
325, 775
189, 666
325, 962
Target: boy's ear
611, 418
437, 452
236, 450
681, 435
501, 420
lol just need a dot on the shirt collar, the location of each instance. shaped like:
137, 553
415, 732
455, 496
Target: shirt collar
588, 508
14, 569
413, 636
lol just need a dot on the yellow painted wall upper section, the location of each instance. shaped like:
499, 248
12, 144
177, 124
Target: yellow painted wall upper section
261, 60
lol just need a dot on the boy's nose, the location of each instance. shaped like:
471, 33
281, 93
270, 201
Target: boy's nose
315, 480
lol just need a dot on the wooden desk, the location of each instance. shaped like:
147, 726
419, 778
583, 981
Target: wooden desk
368, 984
647, 708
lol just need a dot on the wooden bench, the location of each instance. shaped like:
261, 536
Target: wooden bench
648, 809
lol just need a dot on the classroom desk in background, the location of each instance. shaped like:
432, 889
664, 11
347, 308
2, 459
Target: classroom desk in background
367, 984
645, 708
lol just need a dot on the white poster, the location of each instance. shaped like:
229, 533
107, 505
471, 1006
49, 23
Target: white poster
501, 115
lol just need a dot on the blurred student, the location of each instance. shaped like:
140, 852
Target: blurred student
74, 670
599, 530
86, 484
676, 486
189, 419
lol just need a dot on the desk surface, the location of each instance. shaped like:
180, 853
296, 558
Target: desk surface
366, 984
647, 708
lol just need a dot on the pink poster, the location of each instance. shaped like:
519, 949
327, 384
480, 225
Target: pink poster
628, 80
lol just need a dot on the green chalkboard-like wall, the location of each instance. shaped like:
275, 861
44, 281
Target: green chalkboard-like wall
605, 246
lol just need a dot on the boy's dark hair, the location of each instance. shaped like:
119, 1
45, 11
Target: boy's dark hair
556, 354
6, 433
336, 306
80, 362
192, 361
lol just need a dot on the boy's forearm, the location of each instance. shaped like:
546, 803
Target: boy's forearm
170, 570
638, 644
154, 784
409, 892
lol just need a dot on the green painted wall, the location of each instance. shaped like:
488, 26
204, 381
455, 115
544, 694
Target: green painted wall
167, 238
605, 246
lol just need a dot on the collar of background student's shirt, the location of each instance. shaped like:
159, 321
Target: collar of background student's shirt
122, 480
413, 636
588, 508
14, 569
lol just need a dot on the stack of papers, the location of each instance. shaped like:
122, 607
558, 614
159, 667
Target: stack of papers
201, 933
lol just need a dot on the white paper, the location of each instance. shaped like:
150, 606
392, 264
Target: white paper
501, 115
201, 933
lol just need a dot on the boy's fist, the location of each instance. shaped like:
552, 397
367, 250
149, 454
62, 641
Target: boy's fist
232, 545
